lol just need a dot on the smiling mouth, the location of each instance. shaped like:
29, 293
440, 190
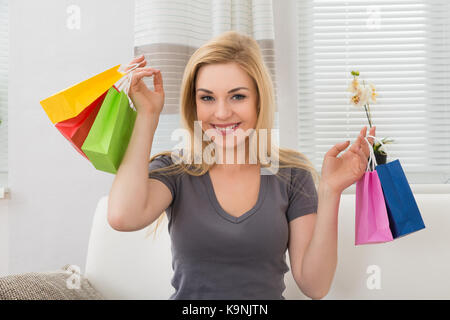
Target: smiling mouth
228, 129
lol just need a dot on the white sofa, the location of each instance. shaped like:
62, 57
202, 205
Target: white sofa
127, 265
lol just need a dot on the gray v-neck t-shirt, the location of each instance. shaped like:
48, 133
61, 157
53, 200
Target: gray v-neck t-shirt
218, 256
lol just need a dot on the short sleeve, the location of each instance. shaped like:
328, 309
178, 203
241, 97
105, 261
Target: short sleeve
302, 194
169, 180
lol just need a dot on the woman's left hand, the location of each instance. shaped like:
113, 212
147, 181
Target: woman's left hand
338, 173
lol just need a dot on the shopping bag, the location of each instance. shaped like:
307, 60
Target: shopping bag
110, 133
403, 212
371, 218
70, 102
76, 129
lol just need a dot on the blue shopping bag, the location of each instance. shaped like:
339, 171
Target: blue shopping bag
403, 212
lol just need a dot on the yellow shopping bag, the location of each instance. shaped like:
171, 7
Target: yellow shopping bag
72, 101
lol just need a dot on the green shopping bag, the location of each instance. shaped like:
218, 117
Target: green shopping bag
110, 133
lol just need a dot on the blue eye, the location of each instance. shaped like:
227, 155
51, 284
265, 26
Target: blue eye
236, 95
239, 95
202, 98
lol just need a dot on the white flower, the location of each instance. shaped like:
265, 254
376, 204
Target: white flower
372, 94
361, 97
354, 86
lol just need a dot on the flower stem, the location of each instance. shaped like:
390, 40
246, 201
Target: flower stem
370, 115
368, 118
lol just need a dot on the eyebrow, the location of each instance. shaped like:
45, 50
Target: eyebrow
232, 90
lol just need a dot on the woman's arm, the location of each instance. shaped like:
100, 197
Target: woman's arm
313, 242
128, 196
320, 257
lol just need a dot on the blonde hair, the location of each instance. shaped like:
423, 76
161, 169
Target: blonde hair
232, 46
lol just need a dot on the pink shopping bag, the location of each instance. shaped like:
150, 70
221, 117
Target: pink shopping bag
371, 220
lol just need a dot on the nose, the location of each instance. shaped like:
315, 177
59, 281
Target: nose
223, 110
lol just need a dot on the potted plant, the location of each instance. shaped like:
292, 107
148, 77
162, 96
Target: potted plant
380, 154
362, 96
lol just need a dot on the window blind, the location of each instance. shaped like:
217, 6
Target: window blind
4, 48
403, 48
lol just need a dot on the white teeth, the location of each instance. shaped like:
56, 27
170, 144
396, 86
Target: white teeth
227, 128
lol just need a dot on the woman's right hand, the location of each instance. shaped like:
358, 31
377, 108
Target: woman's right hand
145, 100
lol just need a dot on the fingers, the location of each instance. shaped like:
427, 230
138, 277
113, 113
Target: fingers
158, 82
372, 133
141, 73
362, 160
357, 144
145, 69
157, 79
336, 149
137, 59
364, 144
358, 151
362, 156
140, 59
363, 131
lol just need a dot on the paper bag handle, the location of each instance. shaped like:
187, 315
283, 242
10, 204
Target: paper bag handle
126, 81
372, 158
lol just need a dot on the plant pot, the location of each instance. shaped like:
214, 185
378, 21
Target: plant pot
381, 158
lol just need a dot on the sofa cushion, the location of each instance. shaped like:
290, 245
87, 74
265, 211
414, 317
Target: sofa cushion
64, 284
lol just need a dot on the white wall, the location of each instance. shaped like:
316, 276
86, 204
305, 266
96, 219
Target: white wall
4, 235
54, 190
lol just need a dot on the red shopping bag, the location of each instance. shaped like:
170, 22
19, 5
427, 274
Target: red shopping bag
76, 129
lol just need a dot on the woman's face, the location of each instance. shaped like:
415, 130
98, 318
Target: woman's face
226, 97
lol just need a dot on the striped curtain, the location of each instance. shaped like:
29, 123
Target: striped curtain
168, 32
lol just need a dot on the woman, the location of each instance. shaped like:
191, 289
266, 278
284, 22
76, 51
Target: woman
229, 224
